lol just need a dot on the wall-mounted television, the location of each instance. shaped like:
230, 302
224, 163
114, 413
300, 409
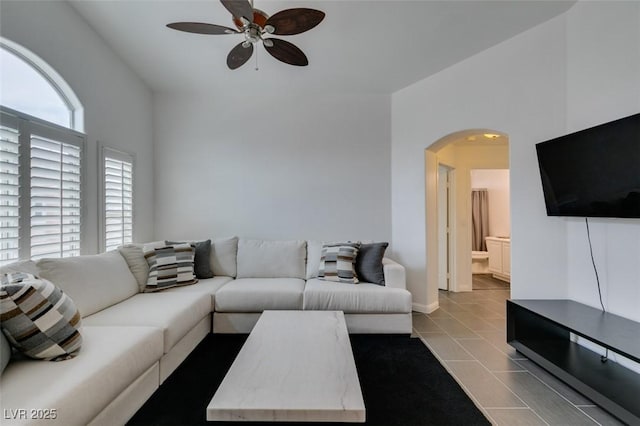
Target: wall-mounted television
594, 172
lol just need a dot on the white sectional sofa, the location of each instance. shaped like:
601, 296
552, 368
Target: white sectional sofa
133, 341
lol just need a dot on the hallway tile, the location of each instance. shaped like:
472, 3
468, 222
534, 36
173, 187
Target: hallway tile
454, 327
483, 311
445, 347
556, 384
550, 406
601, 416
468, 334
488, 391
499, 340
472, 321
438, 313
515, 417
422, 323
489, 356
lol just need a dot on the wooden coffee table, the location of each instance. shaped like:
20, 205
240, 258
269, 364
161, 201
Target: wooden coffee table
294, 366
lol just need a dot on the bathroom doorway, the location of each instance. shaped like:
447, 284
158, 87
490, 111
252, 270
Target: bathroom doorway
448, 213
490, 229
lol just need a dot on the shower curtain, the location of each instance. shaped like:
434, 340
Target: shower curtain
479, 219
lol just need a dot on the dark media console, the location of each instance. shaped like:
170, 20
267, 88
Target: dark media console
540, 329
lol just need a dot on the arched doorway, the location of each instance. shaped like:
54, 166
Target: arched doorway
457, 153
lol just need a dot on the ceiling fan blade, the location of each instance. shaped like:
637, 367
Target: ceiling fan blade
239, 55
201, 28
239, 8
294, 21
285, 52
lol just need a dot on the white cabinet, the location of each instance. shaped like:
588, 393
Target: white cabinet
499, 257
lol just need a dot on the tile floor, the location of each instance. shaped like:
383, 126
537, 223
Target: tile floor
467, 334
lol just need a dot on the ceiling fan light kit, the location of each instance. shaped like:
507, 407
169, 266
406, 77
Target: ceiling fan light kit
255, 25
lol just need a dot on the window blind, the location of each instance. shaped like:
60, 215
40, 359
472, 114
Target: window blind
55, 198
9, 192
118, 199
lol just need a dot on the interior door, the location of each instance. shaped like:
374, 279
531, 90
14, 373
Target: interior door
444, 234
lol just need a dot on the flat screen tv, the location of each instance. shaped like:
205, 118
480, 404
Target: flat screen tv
594, 172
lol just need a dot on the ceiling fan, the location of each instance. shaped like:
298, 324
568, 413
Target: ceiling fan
256, 25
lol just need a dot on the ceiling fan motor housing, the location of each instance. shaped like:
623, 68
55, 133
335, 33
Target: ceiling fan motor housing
259, 19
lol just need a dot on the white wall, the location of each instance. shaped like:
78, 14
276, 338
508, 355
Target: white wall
273, 167
496, 182
603, 84
576, 70
117, 104
518, 88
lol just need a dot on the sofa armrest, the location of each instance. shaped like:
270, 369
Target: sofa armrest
394, 274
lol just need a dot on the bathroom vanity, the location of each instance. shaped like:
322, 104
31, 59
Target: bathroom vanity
499, 249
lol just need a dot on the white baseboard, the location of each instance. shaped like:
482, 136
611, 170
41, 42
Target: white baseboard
425, 309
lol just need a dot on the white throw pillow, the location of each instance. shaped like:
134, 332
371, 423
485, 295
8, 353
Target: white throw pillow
224, 252
138, 265
314, 252
94, 282
271, 259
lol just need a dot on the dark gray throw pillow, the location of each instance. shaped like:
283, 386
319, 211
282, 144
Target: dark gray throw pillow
369, 263
201, 263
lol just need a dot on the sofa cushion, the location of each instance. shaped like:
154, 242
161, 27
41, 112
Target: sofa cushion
271, 259
39, 319
362, 298
94, 282
369, 263
174, 313
209, 287
338, 262
202, 259
169, 266
260, 294
26, 266
80, 388
138, 265
224, 252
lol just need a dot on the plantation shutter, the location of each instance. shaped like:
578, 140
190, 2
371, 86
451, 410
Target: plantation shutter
9, 190
40, 188
55, 195
118, 198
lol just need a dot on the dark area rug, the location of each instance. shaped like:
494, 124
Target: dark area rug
402, 384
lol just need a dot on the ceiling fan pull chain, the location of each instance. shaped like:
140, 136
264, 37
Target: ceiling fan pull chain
257, 61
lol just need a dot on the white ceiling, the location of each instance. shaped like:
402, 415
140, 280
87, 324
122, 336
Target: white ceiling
361, 46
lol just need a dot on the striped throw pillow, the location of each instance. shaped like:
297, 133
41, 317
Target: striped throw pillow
169, 266
337, 262
39, 319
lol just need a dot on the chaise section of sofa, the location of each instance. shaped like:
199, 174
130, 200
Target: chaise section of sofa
113, 361
175, 314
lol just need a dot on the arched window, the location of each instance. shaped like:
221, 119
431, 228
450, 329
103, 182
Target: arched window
28, 90
41, 159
